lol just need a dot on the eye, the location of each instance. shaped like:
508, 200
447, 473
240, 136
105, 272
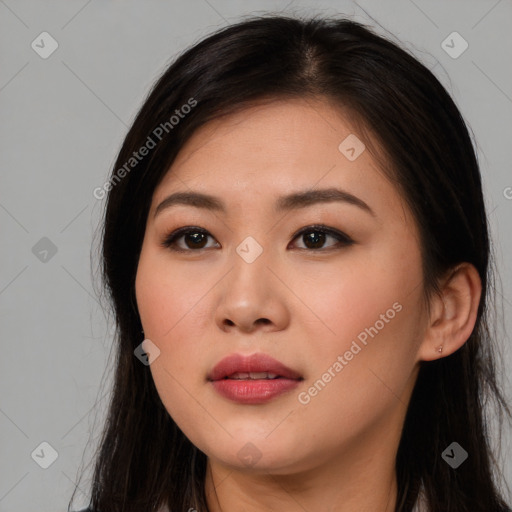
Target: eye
195, 238
315, 236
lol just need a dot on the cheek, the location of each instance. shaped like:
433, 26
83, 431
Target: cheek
171, 303
362, 373
167, 295
370, 316
365, 288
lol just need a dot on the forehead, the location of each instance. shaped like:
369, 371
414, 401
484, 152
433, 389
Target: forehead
272, 149
268, 135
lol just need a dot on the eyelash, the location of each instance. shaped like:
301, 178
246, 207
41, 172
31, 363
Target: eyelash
344, 240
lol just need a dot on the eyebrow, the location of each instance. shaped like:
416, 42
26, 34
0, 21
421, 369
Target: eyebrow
289, 202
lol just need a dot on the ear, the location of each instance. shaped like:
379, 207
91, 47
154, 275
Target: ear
453, 313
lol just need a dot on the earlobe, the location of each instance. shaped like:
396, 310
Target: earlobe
453, 313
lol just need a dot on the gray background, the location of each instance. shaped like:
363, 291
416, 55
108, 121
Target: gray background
62, 121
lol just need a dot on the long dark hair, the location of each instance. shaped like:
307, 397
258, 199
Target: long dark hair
144, 460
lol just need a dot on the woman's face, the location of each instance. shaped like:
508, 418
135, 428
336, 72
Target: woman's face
344, 312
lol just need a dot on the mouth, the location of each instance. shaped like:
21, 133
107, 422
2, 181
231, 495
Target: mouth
254, 379
254, 367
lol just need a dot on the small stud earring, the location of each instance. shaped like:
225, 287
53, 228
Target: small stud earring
440, 349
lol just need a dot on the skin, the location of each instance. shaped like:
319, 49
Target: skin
335, 453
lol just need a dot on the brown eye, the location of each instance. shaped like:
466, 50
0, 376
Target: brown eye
193, 238
197, 240
314, 238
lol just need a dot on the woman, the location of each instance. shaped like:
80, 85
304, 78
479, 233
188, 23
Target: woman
295, 227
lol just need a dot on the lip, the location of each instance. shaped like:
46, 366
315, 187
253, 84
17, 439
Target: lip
252, 391
251, 364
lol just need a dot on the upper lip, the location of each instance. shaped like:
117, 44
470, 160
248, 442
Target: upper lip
257, 363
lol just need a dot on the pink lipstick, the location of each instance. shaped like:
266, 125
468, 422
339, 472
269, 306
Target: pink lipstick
254, 379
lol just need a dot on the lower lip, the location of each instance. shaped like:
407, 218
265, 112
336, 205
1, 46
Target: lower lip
257, 391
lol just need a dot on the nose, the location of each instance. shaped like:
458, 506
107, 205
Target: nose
251, 297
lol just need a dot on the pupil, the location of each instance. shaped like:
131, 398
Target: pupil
317, 239
196, 237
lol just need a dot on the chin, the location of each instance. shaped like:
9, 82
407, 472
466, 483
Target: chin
258, 454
